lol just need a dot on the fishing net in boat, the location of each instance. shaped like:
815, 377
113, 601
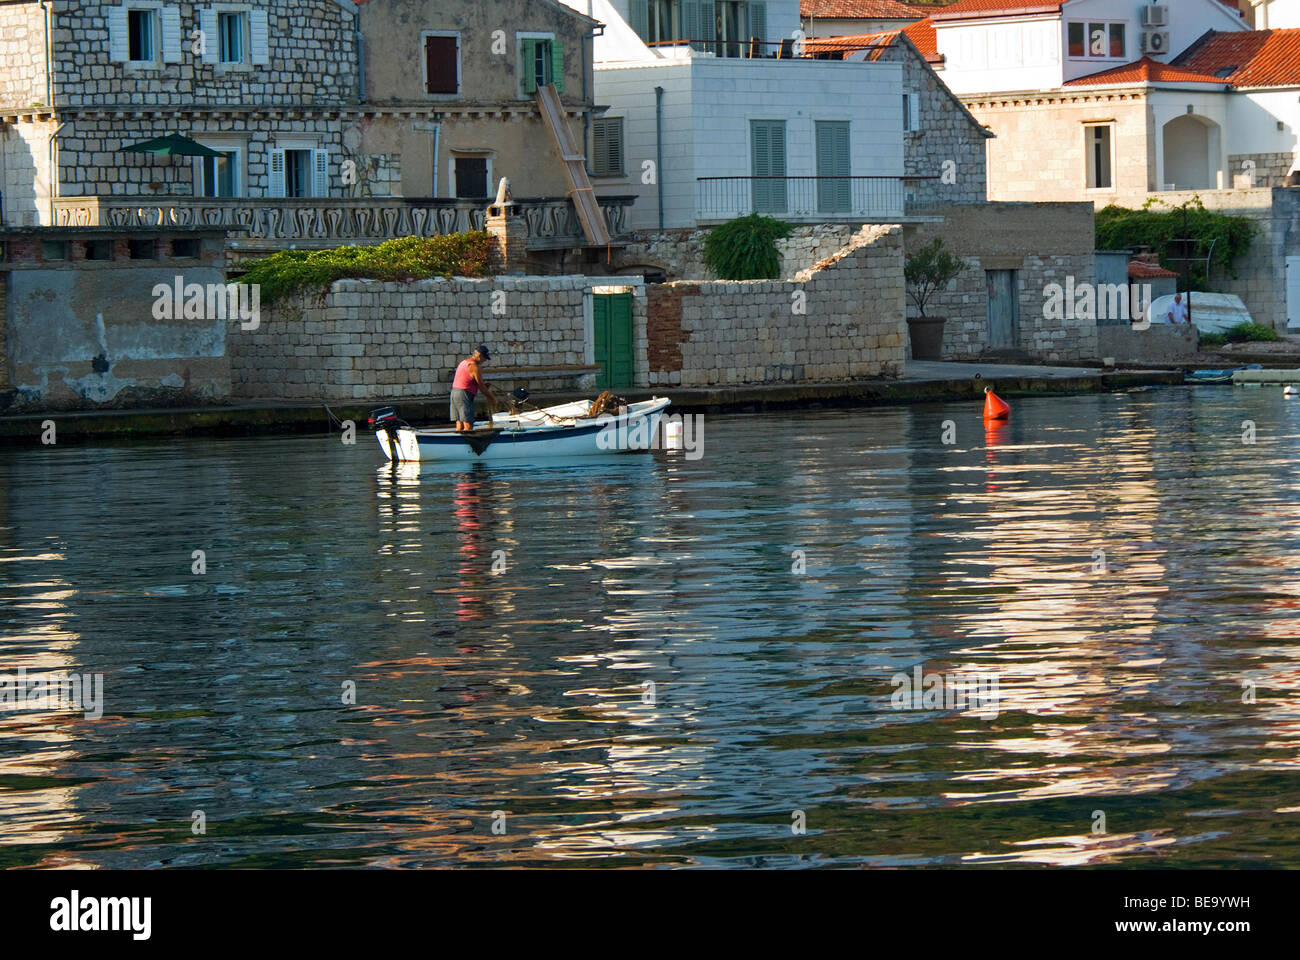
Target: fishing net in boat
606, 403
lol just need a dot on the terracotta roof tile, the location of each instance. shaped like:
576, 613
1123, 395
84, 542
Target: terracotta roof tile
873, 43
1147, 271
1145, 70
857, 10
972, 9
1253, 58
924, 39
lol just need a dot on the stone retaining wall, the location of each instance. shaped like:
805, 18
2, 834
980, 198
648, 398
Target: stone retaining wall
841, 319
680, 253
375, 340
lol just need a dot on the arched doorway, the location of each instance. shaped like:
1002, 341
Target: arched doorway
1191, 153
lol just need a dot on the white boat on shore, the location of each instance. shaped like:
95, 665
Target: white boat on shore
564, 430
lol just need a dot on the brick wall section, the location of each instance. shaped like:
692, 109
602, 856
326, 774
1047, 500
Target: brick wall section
736, 332
664, 327
1044, 242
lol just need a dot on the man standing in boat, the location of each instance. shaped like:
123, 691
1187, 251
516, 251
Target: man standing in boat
465, 387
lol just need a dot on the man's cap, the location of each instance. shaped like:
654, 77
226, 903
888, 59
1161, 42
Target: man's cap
484, 351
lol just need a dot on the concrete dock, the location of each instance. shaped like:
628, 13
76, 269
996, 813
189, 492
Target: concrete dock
922, 382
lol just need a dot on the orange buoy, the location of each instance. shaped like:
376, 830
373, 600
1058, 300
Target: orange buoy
995, 408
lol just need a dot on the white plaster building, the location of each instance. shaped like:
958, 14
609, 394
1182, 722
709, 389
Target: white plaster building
712, 114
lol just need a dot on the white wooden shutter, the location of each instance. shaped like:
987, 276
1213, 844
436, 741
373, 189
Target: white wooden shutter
320, 173
211, 41
118, 48
171, 34
275, 176
259, 31
914, 111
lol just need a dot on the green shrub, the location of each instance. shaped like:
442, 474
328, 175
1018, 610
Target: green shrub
1244, 332
745, 248
928, 270
1213, 339
407, 258
1120, 228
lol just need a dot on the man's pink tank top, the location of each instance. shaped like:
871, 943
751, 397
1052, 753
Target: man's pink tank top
464, 379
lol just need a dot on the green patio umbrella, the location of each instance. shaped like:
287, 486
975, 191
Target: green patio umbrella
172, 145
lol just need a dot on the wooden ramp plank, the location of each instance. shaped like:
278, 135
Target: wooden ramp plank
575, 166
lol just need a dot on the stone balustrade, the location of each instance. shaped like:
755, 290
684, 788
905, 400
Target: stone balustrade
552, 221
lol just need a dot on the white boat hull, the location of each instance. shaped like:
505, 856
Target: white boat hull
532, 437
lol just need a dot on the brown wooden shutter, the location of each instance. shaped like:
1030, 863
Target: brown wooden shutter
440, 64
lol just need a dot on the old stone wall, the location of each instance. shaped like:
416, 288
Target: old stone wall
85, 333
840, 319
1270, 169
22, 55
680, 253
946, 134
378, 340
1043, 242
1261, 273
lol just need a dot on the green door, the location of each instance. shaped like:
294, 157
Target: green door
612, 313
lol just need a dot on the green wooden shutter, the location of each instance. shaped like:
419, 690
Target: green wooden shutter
833, 161
757, 20
639, 18
767, 159
557, 65
615, 140
620, 340
528, 52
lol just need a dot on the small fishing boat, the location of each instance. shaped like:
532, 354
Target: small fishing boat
1216, 376
564, 430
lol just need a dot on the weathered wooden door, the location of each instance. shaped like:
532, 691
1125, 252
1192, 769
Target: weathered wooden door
1293, 292
612, 333
1003, 308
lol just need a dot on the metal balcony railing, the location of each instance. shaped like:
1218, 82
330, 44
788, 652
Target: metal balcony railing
822, 198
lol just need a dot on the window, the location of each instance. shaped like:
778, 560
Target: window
541, 62
99, 249
217, 176
911, 112
54, 249
472, 177
441, 63
142, 35
232, 28
1095, 41
607, 147
730, 27
663, 21
142, 249
767, 165
1098, 139
298, 171
185, 249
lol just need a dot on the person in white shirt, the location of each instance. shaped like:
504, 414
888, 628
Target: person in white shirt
1178, 310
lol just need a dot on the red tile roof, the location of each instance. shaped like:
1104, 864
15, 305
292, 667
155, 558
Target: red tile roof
857, 10
1145, 70
973, 9
1147, 271
873, 43
1254, 58
924, 39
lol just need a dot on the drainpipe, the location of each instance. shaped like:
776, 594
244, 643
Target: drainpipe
54, 170
49, 75
361, 57
437, 130
659, 152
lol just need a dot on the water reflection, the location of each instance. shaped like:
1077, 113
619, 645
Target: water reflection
650, 660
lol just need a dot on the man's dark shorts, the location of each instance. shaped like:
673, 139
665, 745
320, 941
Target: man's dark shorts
462, 406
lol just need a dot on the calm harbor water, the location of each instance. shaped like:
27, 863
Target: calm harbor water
683, 660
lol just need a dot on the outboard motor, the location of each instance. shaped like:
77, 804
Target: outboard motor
386, 421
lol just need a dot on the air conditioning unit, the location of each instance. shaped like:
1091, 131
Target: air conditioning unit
1155, 16
1155, 42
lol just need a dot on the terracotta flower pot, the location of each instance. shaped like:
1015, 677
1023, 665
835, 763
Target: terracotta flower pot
926, 335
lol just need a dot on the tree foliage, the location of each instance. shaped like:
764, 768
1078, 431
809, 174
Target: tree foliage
745, 248
1121, 228
407, 258
930, 268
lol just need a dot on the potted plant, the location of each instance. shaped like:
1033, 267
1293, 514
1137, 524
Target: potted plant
925, 272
